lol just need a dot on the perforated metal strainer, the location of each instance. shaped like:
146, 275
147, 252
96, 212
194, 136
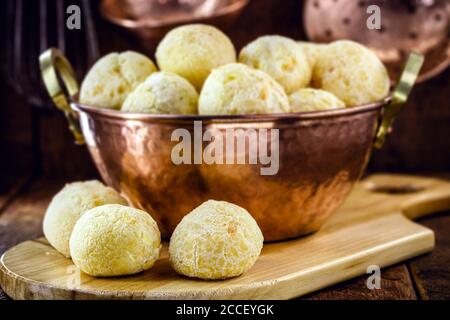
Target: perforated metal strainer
406, 25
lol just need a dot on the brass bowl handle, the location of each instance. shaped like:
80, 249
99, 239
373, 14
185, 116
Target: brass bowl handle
399, 96
56, 70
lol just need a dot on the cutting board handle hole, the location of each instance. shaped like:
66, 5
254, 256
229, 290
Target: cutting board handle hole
392, 189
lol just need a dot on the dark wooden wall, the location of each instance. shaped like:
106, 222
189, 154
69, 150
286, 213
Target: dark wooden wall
38, 139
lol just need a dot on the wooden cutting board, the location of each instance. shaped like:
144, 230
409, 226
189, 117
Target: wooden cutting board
373, 227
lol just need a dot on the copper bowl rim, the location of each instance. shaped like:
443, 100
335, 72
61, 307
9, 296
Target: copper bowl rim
241, 118
149, 23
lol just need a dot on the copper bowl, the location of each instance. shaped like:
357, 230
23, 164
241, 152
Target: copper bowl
321, 156
150, 20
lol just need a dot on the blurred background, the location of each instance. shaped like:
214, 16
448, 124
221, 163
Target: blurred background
35, 140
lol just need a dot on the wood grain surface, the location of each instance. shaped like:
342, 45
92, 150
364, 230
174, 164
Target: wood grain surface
368, 229
431, 273
396, 284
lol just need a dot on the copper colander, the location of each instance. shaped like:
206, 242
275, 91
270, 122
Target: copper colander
406, 25
321, 156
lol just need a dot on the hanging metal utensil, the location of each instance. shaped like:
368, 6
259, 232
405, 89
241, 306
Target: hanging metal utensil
33, 26
150, 20
422, 26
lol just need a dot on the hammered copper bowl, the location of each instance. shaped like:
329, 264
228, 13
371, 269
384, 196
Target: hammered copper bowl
321, 156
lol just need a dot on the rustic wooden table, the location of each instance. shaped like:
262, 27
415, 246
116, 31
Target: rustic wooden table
23, 203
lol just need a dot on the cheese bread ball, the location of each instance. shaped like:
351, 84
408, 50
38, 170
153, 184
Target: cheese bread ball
192, 51
311, 51
115, 240
307, 99
163, 93
279, 57
69, 204
113, 77
238, 89
351, 72
217, 240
